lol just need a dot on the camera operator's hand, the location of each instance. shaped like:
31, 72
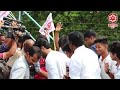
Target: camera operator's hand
10, 35
1, 23
11, 51
14, 24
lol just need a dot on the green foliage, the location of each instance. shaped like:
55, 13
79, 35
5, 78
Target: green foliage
74, 20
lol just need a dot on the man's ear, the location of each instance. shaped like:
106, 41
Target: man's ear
106, 45
91, 37
42, 48
27, 53
115, 55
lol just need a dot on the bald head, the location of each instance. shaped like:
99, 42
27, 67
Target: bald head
27, 44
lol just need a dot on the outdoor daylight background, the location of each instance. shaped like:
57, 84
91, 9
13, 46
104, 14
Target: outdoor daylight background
74, 20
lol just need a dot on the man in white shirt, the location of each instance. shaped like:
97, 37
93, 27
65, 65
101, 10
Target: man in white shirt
84, 62
102, 50
111, 64
55, 61
20, 68
27, 44
115, 55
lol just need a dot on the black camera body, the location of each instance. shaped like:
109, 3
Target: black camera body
11, 31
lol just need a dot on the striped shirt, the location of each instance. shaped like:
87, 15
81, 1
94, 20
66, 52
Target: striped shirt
3, 48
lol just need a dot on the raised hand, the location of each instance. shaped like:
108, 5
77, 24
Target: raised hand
58, 27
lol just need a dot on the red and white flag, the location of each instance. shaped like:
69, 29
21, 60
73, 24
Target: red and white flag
3, 14
48, 26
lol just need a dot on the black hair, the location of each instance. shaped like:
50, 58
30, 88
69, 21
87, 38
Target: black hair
76, 38
115, 48
41, 36
66, 48
35, 50
42, 42
63, 39
21, 40
26, 36
90, 33
102, 40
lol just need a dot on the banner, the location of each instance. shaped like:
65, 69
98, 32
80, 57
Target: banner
3, 14
48, 26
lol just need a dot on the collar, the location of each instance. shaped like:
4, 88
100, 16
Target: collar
108, 57
80, 47
27, 64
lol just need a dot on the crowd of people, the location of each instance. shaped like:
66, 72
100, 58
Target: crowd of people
77, 56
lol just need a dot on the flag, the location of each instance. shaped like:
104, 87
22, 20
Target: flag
3, 14
48, 26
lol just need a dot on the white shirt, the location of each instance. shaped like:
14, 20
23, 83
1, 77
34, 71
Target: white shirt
112, 66
56, 65
60, 50
20, 69
84, 64
68, 60
22, 51
117, 73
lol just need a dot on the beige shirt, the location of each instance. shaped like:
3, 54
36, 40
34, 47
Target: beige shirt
12, 59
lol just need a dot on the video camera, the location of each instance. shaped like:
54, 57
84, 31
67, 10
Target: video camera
7, 27
8, 21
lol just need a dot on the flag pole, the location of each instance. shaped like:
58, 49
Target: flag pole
35, 22
54, 40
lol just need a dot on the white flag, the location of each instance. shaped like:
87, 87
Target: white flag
3, 14
48, 26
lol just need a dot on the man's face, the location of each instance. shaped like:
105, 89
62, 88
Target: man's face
43, 49
100, 48
113, 56
44, 55
88, 41
32, 59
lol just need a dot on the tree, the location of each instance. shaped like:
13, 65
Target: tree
74, 20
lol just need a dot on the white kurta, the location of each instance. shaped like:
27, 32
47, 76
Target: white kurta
56, 65
112, 66
84, 64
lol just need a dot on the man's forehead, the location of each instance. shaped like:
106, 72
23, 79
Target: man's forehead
35, 57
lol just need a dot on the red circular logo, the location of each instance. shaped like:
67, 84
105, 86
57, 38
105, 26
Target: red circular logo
112, 17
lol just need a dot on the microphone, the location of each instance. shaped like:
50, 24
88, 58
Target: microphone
10, 19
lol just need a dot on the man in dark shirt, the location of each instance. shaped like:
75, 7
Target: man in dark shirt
89, 38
